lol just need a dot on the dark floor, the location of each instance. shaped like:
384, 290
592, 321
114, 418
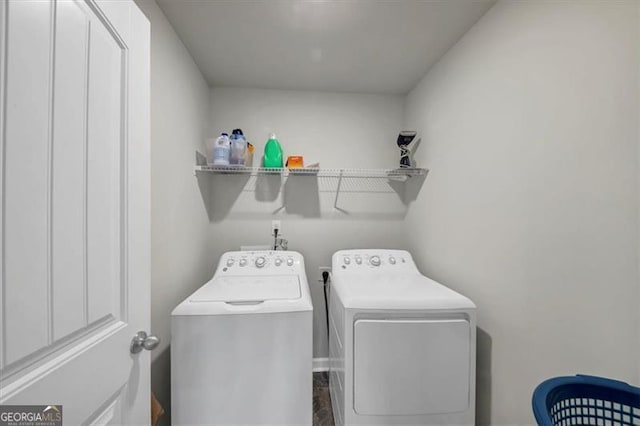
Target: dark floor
322, 413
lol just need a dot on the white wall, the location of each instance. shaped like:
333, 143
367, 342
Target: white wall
530, 127
638, 156
179, 224
336, 130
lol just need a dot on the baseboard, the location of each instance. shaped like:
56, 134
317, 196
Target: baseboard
320, 364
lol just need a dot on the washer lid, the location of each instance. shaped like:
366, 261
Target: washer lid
238, 289
396, 291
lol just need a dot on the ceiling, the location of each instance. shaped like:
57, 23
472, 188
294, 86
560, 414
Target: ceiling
373, 46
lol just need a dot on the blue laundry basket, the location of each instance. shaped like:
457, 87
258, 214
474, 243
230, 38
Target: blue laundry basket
586, 400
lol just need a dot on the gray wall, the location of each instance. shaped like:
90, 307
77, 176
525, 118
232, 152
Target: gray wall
179, 240
333, 129
530, 129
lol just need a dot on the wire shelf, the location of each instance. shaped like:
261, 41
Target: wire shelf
336, 173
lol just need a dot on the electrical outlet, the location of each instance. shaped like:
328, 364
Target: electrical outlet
276, 225
323, 269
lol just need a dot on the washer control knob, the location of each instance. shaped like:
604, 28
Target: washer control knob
243, 262
374, 260
346, 260
230, 261
278, 261
358, 260
392, 260
260, 261
290, 261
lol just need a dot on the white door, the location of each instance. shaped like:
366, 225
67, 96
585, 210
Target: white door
74, 118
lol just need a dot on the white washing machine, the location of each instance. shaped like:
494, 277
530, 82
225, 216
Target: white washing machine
241, 345
402, 347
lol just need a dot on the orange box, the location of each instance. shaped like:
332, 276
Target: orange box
295, 162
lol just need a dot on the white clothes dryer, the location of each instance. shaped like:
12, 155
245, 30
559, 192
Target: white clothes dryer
241, 345
402, 347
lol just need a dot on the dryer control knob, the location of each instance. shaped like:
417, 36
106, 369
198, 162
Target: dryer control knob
374, 260
260, 261
290, 261
392, 260
346, 260
358, 260
230, 261
278, 261
243, 262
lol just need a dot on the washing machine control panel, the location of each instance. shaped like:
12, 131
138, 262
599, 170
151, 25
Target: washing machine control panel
373, 260
249, 262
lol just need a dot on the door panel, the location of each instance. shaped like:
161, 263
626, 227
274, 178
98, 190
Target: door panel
110, 413
74, 81
26, 205
105, 218
69, 189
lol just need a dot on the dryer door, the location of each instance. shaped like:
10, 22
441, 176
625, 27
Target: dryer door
411, 366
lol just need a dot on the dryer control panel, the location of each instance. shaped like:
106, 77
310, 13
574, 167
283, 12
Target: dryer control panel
390, 260
261, 262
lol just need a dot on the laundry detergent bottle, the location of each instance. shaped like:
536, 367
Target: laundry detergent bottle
221, 150
272, 153
238, 148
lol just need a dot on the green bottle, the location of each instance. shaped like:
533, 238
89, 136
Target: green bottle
272, 153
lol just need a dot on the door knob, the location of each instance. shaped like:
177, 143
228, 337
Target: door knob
141, 341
